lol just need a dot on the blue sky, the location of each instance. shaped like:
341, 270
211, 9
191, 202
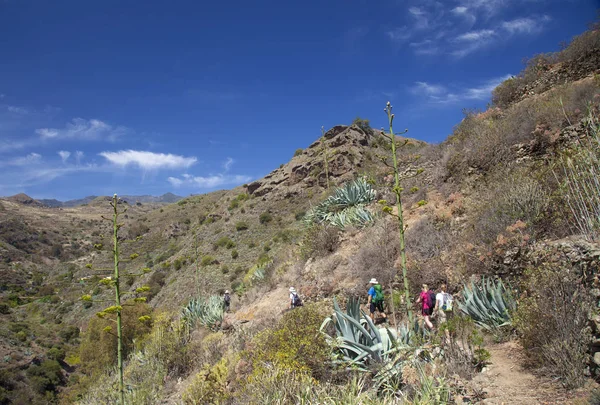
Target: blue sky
192, 96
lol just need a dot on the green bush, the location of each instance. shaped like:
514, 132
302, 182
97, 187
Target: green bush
295, 343
234, 254
177, 263
4, 308
56, 353
363, 124
45, 377
241, 226
207, 260
298, 152
224, 242
98, 348
265, 218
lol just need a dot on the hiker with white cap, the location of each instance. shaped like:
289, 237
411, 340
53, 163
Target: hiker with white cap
295, 300
375, 299
226, 301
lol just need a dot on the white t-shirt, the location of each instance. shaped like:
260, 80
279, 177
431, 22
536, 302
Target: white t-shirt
439, 297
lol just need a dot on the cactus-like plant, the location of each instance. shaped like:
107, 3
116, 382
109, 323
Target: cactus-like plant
208, 313
489, 303
346, 206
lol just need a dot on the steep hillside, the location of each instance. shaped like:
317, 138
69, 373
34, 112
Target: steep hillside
492, 200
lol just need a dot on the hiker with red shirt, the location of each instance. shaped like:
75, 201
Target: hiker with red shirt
427, 305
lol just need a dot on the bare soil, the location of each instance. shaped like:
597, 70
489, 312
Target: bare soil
506, 381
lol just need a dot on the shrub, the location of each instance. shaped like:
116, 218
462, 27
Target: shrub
552, 322
319, 240
234, 254
299, 215
294, 343
298, 152
69, 333
177, 264
56, 353
265, 218
4, 308
233, 205
241, 226
224, 242
98, 348
207, 260
363, 124
45, 377
209, 386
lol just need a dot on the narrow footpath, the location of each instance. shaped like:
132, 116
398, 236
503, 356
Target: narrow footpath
506, 382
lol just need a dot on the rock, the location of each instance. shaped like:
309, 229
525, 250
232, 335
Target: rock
597, 358
252, 187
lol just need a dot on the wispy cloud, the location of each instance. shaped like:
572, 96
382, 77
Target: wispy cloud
228, 163
17, 110
440, 94
148, 160
82, 129
64, 155
467, 26
525, 25
30, 159
208, 182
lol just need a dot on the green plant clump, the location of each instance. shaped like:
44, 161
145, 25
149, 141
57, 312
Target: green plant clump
489, 303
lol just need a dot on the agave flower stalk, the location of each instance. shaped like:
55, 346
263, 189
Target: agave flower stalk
397, 189
325, 156
114, 281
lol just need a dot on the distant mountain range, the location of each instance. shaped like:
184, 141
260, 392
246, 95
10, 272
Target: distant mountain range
167, 198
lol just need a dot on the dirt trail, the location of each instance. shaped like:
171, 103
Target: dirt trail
506, 382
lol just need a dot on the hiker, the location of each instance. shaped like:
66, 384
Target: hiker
226, 301
375, 299
443, 303
427, 304
295, 300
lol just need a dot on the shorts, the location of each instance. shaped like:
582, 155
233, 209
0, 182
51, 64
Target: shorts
426, 311
378, 306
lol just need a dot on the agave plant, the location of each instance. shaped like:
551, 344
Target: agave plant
363, 346
489, 303
358, 341
346, 206
208, 312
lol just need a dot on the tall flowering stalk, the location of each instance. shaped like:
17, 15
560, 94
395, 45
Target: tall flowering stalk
397, 190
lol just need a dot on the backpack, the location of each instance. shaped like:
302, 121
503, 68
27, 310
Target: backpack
297, 301
378, 294
227, 299
430, 299
446, 302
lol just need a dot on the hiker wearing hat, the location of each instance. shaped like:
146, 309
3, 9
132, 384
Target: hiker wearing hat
375, 299
295, 300
226, 301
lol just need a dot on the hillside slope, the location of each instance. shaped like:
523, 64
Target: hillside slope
489, 201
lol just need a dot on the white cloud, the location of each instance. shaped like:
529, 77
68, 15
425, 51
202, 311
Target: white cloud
475, 36
30, 159
421, 17
175, 182
64, 155
228, 163
148, 160
80, 128
208, 182
429, 89
460, 10
525, 25
399, 35
439, 94
17, 110
78, 156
